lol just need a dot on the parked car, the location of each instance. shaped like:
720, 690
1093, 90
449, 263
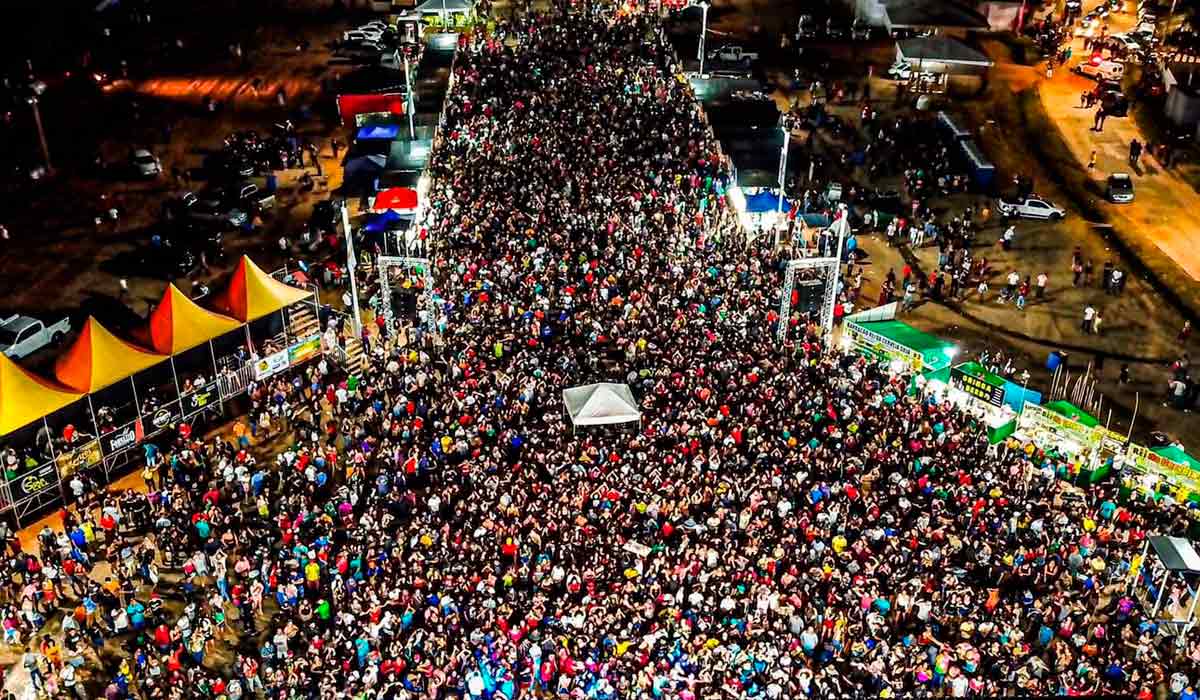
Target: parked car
900, 70
806, 27
166, 258
1101, 69
362, 34
1030, 208
1119, 189
1115, 103
195, 235
145, 164
733, 54
213, 207
224, 165
21, 336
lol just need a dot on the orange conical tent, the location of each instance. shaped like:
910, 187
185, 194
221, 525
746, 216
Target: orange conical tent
26, 397
253, 293
179, 324
98, 358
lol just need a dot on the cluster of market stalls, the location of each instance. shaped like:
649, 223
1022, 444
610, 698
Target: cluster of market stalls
392, 116
1059, 434
109, 396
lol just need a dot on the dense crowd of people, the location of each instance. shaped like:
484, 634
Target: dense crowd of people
786, 520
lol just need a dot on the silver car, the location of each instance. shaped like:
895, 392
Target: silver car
145, 163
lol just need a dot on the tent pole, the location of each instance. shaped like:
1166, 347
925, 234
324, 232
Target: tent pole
137, 404
1161, 588
175, 378
62, 493
287, 340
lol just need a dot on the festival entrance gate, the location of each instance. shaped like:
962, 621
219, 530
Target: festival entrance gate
418, 267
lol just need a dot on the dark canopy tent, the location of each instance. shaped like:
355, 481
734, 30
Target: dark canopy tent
375, 132
1176, 554
372, 80
933, 14
386, 221
766, 201
939, 54
359, 173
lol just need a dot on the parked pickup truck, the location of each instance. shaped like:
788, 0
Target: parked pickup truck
21, 336
1030, 208
734, 54
228, 206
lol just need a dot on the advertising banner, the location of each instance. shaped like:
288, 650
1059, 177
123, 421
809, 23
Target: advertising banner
41, 479
121, 439
83, 456
161, 418
271, 364
977, 387
303, 350
200, 398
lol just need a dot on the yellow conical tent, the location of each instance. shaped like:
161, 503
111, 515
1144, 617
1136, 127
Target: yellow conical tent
26, 397
179, 324
98, 359
252, 293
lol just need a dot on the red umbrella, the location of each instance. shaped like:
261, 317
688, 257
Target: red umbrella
395, 198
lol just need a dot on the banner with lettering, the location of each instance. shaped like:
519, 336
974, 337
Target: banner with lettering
33, 483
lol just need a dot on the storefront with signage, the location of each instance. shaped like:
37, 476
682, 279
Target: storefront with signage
1160, 471
1084, 450
897, 342
974, 389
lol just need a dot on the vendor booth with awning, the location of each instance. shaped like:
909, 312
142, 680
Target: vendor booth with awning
110, 396
973, 388
897, 342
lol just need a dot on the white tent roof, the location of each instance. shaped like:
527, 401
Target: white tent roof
437, 7
601, 404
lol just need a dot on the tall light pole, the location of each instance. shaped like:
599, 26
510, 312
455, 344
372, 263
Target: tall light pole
783, 154
703, 32
37, 120
351, 266
412, 130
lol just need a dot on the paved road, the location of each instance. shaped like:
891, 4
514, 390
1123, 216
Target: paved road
1167, 209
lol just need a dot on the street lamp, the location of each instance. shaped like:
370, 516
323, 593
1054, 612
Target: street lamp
783, 154
412, 130
37, 120
351, 266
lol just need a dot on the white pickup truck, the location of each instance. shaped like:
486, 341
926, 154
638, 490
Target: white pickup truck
734, 54
1031, 208
21, 336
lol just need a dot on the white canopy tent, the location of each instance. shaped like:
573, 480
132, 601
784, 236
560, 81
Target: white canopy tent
1165, 579
601, 404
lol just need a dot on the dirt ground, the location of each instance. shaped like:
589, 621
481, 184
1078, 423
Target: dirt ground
1140, 326
59, 261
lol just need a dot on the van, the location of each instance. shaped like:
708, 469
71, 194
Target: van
1102, 69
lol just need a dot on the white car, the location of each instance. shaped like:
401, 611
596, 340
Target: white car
1111, 71
900, 70
21, 336
362, 35
145, 163
1126, 42
1031, 208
